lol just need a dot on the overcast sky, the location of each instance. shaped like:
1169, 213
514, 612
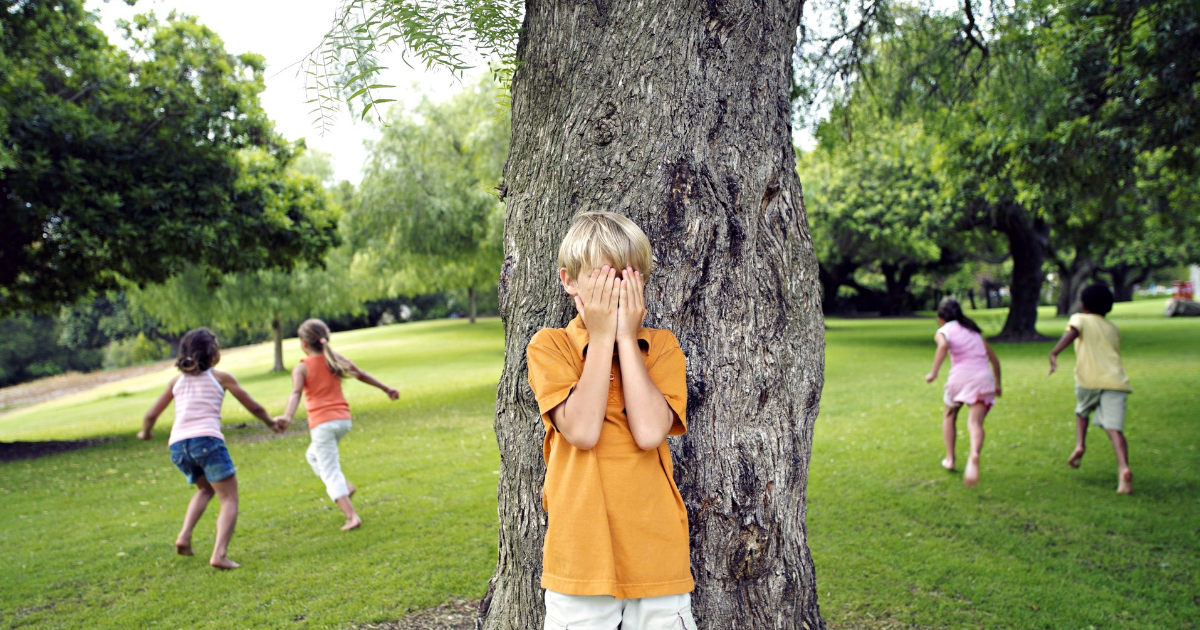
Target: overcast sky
284, 32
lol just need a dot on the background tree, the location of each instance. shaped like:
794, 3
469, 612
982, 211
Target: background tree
116, 163
270, 298
876, 204
678, 115
426, 214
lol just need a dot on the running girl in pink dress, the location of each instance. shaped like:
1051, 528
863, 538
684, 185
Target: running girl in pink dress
970, 382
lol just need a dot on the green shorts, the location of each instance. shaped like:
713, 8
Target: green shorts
1109, 405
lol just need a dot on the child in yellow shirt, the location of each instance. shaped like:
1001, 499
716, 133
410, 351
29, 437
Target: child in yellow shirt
610, 392
1101, 385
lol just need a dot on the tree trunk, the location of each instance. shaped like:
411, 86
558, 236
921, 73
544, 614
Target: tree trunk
897, 278
277, 334
677, 115
471, 301
1072, 279
832, 278
971, 297
1028, 241
1124, 278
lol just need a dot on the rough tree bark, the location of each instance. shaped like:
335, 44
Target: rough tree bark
676, 114
1029, 242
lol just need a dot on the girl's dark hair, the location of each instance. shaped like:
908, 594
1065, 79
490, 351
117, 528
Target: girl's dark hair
315, 335
950, 311
1098, 299
198, 351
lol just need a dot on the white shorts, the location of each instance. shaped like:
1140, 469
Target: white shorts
604, 612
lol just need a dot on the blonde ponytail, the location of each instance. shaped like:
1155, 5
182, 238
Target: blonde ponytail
315, 335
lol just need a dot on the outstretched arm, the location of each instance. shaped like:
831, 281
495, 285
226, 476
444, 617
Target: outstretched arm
939, 356
995, 361
1068, 337
299, 375
363, 376
233, 387
156, 410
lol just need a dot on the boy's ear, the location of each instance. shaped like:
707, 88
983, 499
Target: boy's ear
567, 282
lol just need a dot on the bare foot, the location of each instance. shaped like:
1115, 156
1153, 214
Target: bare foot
183, 548
948, 463
971, 475
352, 523
351, 489
1125, 482
1076, 457
223, 563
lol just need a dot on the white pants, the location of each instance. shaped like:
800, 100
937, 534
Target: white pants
604, 612
322, 455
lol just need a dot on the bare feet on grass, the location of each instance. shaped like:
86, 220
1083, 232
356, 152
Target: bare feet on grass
1076, 457
184, 547
1125, 482
971, 475
948, 463
223, 562
352, 523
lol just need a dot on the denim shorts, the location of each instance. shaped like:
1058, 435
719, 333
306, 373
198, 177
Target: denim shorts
202, 457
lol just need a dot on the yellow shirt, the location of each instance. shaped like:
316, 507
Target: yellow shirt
617, 524
1098, 354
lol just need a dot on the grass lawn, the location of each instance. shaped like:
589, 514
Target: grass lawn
85, 537
899, 541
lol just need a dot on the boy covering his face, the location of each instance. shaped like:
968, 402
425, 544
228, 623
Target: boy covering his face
610, 392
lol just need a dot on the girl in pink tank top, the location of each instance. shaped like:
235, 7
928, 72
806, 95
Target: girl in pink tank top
970, 383
197, 444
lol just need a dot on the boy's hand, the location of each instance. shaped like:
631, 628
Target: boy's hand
144, 434
392, 393
1053, 363
597, 301
631, 309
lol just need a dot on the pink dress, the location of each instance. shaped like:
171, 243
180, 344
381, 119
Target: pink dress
970, 379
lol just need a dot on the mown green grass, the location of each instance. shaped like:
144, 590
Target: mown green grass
85, 537
897, 541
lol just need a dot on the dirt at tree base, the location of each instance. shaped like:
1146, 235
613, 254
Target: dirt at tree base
457, 614
14, 451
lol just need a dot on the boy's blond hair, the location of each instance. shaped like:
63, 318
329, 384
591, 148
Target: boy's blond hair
598, 238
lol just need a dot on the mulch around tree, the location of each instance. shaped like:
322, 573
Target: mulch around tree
456, 614
14, 451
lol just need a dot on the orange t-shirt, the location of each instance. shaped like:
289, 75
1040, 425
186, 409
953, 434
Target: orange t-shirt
323, 393
617, 524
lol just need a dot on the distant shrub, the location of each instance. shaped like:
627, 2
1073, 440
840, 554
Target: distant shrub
135, 351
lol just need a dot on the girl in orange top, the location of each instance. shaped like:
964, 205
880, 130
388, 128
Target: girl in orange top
318, 378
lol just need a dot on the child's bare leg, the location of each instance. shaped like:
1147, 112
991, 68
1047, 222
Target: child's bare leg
352, 519
1121, 448
1081, 427
975, 427
195, 509
227, 494
949, 434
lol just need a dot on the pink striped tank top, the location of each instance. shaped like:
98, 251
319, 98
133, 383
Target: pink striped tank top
197, 407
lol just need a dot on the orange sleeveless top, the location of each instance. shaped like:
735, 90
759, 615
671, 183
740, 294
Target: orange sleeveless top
323, 393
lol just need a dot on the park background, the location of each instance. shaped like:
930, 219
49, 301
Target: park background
917, 186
